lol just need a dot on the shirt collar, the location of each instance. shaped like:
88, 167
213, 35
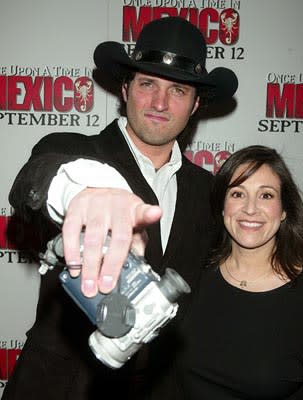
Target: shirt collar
143, 161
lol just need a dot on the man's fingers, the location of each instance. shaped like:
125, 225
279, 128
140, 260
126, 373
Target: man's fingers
97, 212
145, 214
123, 223
119, 245
71, 240
122, 239
139, 242
93, 242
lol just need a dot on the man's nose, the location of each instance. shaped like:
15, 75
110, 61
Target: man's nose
160, 100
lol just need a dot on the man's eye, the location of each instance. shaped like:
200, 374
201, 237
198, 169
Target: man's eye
178, 91
146, 84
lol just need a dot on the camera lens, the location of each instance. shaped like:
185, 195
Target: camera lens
172, 285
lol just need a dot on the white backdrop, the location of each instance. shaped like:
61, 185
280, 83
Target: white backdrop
47, 46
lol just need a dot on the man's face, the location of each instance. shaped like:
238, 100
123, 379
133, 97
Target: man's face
157, 109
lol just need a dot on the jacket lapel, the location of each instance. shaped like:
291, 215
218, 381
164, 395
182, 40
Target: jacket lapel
180, 217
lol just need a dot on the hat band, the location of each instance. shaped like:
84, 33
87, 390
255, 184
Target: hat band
169, 59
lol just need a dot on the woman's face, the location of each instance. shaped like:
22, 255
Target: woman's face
253, 210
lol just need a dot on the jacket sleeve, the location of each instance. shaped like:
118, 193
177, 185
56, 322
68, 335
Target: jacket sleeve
30, 188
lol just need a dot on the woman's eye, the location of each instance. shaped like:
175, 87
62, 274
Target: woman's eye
267, 196
236, 194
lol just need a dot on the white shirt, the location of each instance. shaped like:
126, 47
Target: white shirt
75, 176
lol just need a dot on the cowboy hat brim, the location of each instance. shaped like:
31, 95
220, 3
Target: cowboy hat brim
112, 58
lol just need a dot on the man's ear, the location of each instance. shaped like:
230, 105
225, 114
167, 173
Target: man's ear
124, 91
195, 106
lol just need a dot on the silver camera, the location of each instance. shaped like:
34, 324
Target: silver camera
132, 314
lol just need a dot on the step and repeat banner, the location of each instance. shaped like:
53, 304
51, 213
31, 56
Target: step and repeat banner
47, 85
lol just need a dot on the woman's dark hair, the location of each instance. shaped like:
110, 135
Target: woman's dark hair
287, 256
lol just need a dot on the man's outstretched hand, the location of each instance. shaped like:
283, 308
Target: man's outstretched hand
99, 211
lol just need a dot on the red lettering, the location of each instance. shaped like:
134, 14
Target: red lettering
299, 101
193, 15
13, 92
3, 364
8, 358
3, 225
3, 91
214, 26
32, 93
45, 93
205, 159
16, 234
48, 93
207, 16
6, 226
63, 103
133, 26
280, 105
13, 355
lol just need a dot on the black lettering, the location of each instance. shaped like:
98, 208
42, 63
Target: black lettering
74, 120
280, 126
263, 125
274, 125
296, 124
10, 117
10, 255
237, 53
22, 259
37, 120
215, 52
285, 124
93, 120
22, 119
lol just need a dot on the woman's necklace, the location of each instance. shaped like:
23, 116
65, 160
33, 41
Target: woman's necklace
243, 282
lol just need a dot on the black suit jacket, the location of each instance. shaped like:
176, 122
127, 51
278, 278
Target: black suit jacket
60, 328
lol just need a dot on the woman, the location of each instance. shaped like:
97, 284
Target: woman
245, 329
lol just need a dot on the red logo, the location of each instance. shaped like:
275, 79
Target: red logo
84, 94
214, 24
229, 26
207, 160
45, 93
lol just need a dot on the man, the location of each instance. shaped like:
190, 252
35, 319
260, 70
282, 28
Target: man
115, 182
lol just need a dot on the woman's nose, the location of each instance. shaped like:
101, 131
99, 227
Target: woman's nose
250, 206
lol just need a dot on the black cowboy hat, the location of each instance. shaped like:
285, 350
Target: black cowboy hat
170, 47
